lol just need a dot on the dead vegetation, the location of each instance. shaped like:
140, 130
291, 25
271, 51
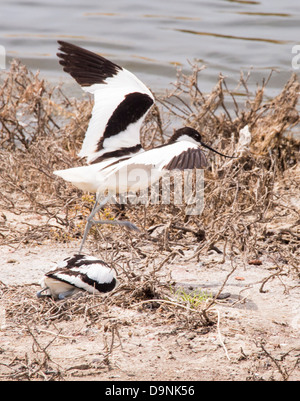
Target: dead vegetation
251, 203
41, 130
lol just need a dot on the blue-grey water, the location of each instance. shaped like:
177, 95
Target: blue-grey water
152, 37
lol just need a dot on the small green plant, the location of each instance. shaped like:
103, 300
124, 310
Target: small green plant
192, 299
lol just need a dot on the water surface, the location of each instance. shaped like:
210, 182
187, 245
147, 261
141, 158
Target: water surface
152, 38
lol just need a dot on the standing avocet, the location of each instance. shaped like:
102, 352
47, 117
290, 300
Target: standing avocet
112, 144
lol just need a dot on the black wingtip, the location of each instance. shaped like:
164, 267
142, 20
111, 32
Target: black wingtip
188, 160
85, 66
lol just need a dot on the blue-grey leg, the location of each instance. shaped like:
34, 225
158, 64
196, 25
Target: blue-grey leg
124, 223
66, 294
91, 221
40, 294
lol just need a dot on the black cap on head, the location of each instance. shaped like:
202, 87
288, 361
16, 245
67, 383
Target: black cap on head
186, 131
192, 133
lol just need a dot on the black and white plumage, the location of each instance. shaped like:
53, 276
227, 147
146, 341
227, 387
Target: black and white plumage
78, 273
121, 102
112, 146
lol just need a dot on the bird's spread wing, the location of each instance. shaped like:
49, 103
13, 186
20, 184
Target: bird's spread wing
188, 159
142, 170
181, 155
121, 102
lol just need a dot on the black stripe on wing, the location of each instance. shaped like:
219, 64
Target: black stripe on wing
130, 110
189, 159
86, 67
80, 260
120, 154
101, 287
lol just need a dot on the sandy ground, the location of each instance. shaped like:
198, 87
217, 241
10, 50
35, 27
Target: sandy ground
254, 330
255, 335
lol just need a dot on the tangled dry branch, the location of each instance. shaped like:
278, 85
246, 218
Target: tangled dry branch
251, 202
251, 205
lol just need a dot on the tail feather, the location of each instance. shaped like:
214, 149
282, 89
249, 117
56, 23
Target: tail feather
82, 177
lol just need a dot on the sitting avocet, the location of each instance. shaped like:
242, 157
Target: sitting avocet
112, 144
78, 273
